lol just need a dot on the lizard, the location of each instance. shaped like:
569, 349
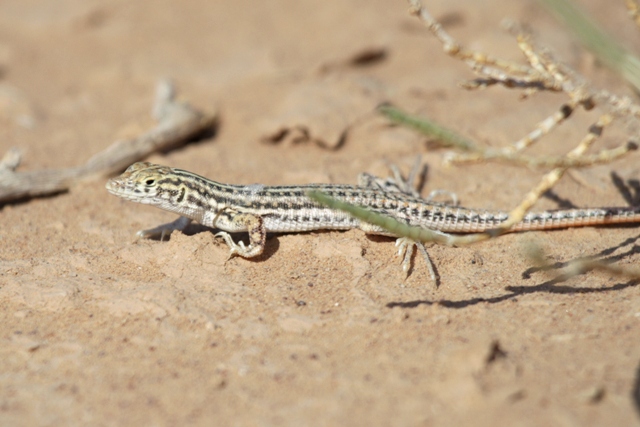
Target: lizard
260, 209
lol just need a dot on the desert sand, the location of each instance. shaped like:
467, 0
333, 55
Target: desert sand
100, 328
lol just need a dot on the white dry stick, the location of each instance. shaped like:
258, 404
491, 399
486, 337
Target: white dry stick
177, 124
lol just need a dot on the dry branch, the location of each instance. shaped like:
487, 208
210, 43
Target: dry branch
177, 123
541, 73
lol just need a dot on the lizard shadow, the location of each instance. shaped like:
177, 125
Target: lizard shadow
629, 190
562, 202
552, 286
635, 392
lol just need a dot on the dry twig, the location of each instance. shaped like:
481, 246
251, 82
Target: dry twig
508, 155
634, 10
177, 124
576, 267
541, 73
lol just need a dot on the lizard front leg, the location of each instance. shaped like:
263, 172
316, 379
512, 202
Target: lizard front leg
233, 220
165, 230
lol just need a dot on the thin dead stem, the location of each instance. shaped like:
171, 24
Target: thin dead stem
543, 72
177, 123
634, 10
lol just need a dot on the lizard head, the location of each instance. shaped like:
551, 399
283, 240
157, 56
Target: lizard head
144, 182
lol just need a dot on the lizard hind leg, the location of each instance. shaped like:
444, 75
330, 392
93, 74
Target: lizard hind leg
406, 248
397, 183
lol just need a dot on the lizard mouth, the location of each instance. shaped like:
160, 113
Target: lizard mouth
114, 187
119, 188
128, 191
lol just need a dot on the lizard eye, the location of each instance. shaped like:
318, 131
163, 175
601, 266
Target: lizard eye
150, 182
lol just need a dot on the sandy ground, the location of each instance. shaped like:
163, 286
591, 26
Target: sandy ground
97, 328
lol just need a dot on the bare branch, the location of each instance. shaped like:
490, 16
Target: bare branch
177, 124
